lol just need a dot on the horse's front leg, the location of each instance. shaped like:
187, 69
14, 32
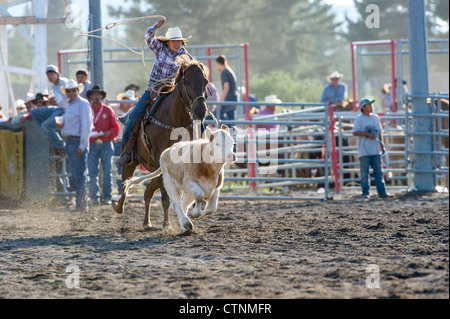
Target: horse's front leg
148, 196
128, 171
165, 201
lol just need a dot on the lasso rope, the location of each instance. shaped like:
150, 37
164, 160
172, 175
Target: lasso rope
115, 24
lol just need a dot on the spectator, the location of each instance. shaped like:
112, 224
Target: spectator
41, 100
29, 100
101, 147
229, 89
211, 94
400, 95
23, 109
367, 129
122, 109
45, 116
76, 131
134, 88
83, 77
20, 105
269, 110
251, 98
335, 92
385, 96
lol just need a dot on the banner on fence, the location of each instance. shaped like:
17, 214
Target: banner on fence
11, 164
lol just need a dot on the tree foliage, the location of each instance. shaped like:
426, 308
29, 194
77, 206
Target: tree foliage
295, 37
293, 44
394, 20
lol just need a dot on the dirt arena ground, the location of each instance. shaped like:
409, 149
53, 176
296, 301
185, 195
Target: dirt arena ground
247, 249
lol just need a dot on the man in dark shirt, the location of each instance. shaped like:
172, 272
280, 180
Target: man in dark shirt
229, 89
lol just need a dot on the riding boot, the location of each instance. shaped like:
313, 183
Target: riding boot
125, 158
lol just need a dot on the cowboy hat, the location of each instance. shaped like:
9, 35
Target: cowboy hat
364, 102
29, 97
132, 87
96, 88
128, 95
40, 96
173, 34
72, 84
335, 75
272, 99
20, 104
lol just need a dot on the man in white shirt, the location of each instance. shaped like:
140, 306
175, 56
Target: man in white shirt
367, 129
76, 131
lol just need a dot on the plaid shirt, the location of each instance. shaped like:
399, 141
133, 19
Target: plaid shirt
164, 65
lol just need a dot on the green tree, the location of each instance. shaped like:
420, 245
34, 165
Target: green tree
394, 20
295, 37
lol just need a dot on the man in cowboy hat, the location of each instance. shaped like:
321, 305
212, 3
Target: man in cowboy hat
367, 129
269, 110
23, 108
101, 145
45, 116
40, 100
335, 92
166, 50
76, 131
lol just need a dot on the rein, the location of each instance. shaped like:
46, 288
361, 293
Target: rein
187, 107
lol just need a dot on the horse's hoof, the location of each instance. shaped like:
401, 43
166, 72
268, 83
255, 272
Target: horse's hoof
147, 226
116, 207
167, 229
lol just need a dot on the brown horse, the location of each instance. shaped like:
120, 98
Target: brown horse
185, 104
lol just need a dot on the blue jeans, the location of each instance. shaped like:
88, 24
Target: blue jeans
100, 154
373, 161
78, 170
45, 118
117, 151
228, 112
134, 115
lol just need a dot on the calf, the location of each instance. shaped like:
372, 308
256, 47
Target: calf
193, 172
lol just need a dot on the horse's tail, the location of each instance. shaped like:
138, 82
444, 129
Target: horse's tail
132, 181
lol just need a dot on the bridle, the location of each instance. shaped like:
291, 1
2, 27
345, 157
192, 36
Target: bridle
188, 107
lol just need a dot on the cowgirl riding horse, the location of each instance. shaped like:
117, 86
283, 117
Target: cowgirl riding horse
167, 49
151, 128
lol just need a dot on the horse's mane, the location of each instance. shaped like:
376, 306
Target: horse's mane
184, 61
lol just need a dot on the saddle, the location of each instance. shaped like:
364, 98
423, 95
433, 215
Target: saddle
153, 106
